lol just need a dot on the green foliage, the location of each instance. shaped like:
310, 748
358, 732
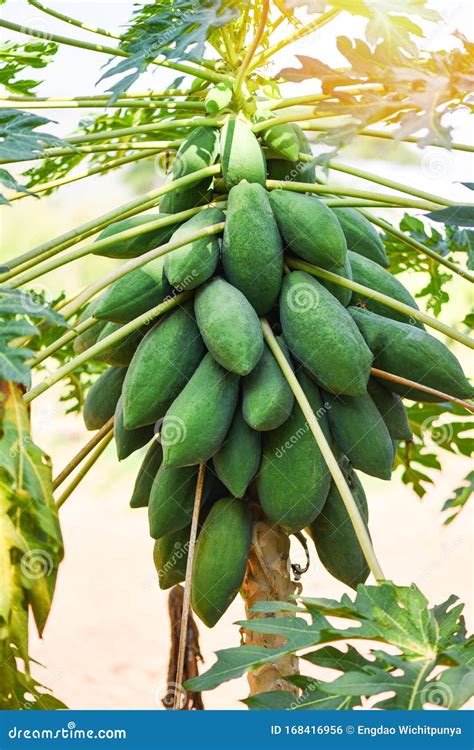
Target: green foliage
460, 497
426, 639
16, 58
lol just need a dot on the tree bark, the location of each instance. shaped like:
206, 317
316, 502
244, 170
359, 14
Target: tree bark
268, 578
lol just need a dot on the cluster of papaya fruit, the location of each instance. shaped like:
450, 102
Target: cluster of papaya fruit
201, 385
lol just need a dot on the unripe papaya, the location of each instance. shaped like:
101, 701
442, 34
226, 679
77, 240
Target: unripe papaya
293, 481
191, 265
129, 441
267, 399
199, 418
170, 556
161, 366
121, 353
146, 475
198, 151
218, 97
319, 404
252, 251
361, 434
309, 228
334, 537
391, 408
221, 559
237, 460
171, 502
282, 139
294, 171
320, 333
229, 326
138, 245
89, 337
411, 353
135, 293
371, 274
361, 236
102, 398
241, 155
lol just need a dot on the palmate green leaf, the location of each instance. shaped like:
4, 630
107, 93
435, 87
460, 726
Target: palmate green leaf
457, 216
16, 58
176, 29
9, 182
459, 499
312, 699
19, 138
20, 691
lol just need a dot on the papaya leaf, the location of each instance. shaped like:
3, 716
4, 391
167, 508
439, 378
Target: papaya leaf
458, 216
12, 184
16, 58
18, 139
459, 498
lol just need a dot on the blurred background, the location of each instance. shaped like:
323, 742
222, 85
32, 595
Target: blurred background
107, 639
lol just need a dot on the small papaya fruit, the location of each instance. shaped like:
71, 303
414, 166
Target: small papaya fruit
199, 150
135, 246
229, 326
146, 475
218, 97
361, 236
361, 434
199, 418
293, 480
412, 353
282, 139
334, 537
192, 264
171, 502
135, 293
102, 398
294, 171
309, 228
170, 557
237, 460
319, 332
121, 353
252, 251
392, 410
267, 399
221, 559
129, 441
161, 366
241, 155
371, 274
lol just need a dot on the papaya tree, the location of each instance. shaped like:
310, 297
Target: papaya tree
252, 334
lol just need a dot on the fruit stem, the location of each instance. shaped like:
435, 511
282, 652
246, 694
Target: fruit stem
102, 345
85, 450
187, 585
97, 97
106, 104
331, 462
87, 466
104, 147
59, 343
207, 75
153, 127
394, 304
72, 21
426, 389
138, 205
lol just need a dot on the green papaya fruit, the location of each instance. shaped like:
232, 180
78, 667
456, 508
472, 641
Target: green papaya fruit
293, 480
221, 559
282, 139
294, 171
267, 399
251, 226
320, 333
218, 97
412, 353
102, 398
371, 274
198, 151
170, 556
162, 365
89, 337
319, 405
171, 501
199, 418
135, 293
361, 434
229, 326
241, 155
334, 537
191, 265
392, 410
361, 236
138, 245
146, 475
237, 460
309, 228
341, 293
129, 441
119, 354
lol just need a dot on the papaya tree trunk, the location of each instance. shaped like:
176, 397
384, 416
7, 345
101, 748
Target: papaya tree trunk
268, 578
